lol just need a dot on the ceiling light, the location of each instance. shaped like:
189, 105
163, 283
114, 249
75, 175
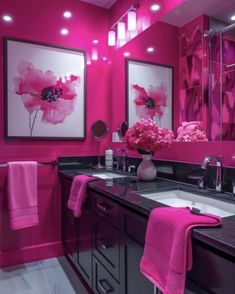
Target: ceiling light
121, 30
111, 38
64, 31
126, 54
232, 17
131, 20
150, 49
95, 41
67, 14
7, 18
155, 7
94, 54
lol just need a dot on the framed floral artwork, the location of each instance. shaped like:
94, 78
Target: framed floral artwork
149, 91
44, 91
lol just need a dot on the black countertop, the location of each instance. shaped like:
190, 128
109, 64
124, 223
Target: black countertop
125, 191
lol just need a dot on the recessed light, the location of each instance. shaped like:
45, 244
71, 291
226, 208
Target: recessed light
64, 31
126, 54
67, 14
7, 18
155, 7
104, 58
232, 17
150, 49
95, 41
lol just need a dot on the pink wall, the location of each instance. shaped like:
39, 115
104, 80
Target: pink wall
41, 21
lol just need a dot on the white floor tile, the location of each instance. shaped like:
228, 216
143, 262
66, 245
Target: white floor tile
51, 276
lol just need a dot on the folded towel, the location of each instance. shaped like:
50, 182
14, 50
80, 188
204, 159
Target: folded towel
168, 246
22, 194
78, 193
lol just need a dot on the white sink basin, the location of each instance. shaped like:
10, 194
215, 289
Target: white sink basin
108, 175
178, 198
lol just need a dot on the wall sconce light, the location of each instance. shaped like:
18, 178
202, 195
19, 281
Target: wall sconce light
121, 26
131, 20
121, 30
111, 38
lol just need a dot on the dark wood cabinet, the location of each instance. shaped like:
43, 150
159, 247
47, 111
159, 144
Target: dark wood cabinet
77, 234
84, 252
106, 244
69, 224
103, 282
133, 227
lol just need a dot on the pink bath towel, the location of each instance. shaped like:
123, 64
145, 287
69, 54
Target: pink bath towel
22, 194
168, 246
78, 193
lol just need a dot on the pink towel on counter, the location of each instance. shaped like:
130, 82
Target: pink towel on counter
22, 194
168, 246
78, 193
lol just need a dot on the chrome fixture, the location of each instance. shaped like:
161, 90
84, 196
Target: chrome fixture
120, 24
200, 181
217, 160
124, 158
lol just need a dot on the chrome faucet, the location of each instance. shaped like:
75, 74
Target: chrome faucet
217, 160
124, 159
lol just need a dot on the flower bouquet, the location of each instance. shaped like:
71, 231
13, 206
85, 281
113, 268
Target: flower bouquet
191, 132
146, 138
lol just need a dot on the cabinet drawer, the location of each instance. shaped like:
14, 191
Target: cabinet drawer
106, 208
103, 282
106, 245
133, 226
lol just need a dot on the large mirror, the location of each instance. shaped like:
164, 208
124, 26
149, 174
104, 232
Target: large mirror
189, 39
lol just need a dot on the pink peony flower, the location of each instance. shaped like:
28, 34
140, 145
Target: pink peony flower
191, 132
151, 102
146, 136
42, 91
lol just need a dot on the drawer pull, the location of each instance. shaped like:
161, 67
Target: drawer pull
105, 286
103, 244
102, 207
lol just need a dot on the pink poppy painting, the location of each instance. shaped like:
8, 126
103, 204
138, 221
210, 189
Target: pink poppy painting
149, 93
49, 97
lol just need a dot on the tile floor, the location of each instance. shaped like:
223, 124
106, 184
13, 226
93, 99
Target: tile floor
50, 276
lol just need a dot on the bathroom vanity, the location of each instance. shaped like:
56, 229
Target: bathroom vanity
106, 243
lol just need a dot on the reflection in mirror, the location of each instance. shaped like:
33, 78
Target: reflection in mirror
122, 129
99, 130
222, 82
206, 65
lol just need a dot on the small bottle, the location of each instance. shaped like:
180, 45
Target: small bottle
109, 158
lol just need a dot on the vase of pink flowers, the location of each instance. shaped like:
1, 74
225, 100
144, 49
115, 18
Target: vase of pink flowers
146, 138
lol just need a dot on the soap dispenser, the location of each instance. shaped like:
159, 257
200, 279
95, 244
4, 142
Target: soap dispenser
108, 158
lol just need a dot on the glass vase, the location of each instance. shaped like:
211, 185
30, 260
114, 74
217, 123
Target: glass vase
146, 170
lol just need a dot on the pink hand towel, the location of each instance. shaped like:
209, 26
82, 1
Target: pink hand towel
22, 194
168, 246
78, 193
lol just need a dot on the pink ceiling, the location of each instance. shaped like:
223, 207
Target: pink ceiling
190, 9
102, 3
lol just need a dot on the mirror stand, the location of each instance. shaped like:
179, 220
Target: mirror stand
98, 165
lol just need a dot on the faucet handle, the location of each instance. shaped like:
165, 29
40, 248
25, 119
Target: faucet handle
200, 181
131, 168
233, 187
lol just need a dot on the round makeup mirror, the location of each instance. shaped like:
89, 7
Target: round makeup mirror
99, 130
122, 129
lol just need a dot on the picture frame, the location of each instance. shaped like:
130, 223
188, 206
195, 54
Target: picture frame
45, 90
149, 92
